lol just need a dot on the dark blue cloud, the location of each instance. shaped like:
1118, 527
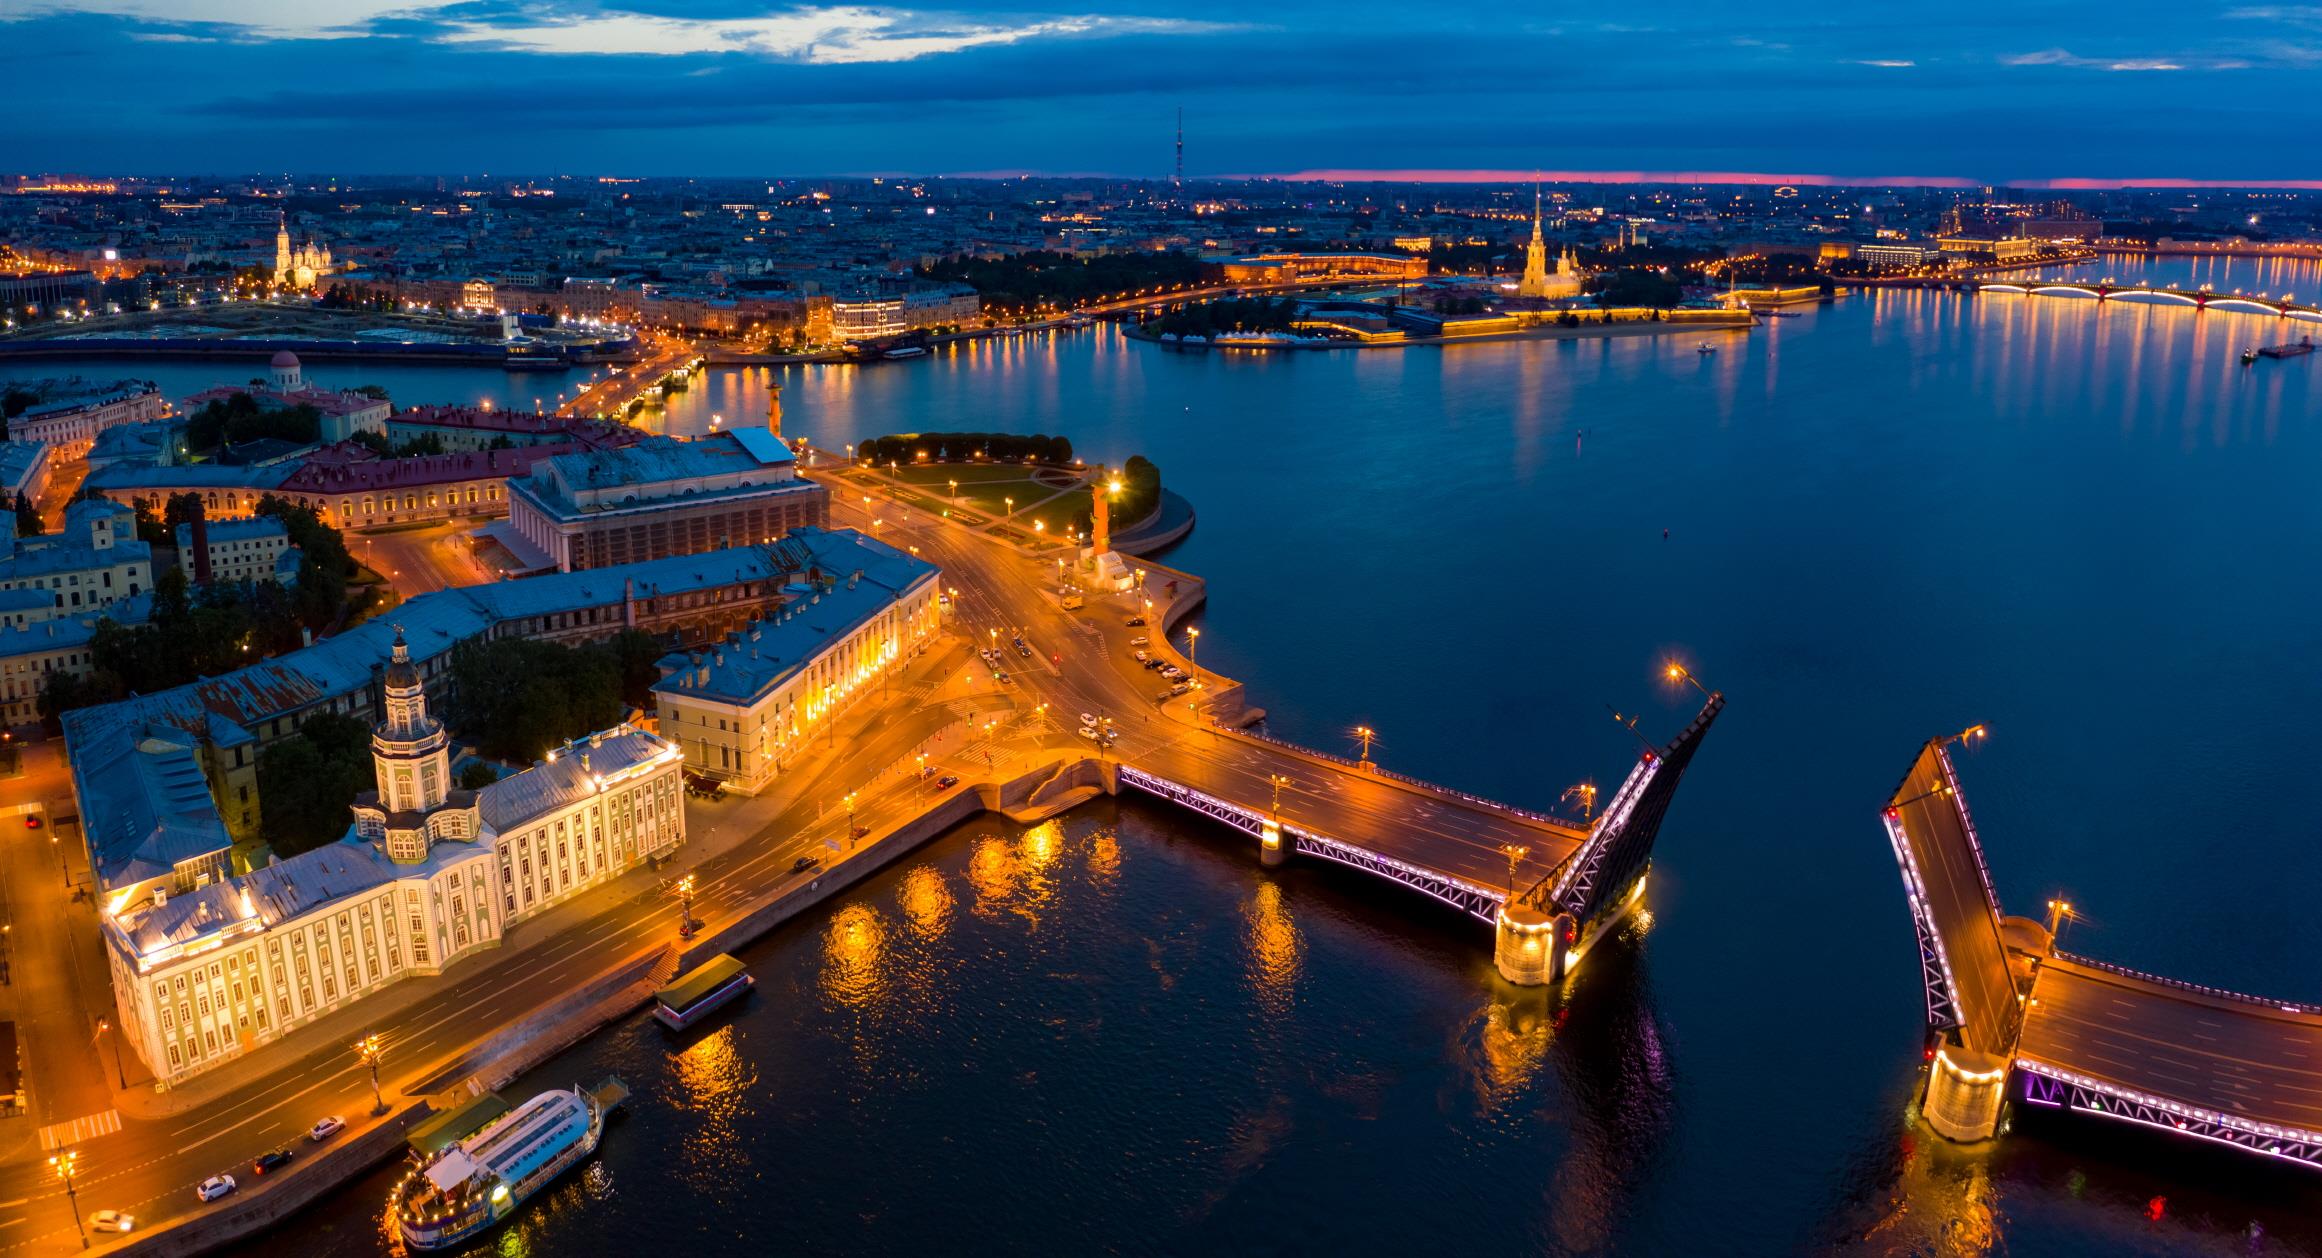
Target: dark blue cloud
2027, 91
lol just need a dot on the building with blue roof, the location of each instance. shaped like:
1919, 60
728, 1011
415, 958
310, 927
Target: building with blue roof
24, 469
233, 550
740, 707
234, 716
92, 563
659, 497
71, 418
207, 968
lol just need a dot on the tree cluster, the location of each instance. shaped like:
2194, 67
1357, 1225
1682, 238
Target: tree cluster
961, 447
1021, 281
237, 418
1227, 314
1635, 286
28, 523
307, 782
518, 697
200, 631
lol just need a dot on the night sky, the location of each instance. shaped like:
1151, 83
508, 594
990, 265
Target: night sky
2022, 92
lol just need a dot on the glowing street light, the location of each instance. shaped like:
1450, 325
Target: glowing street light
104, 1025
1193, 654
686, 924
1678, 672
1366, 734
63, 1164
1585, 792
1515, 852
368, 1051
1277, 781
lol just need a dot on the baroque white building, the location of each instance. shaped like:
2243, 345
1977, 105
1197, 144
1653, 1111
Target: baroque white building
427, 875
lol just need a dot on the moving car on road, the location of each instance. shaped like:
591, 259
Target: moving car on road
215, 1186
273, 1160
111, 1221
804, 863
947, 781
325, 1128
1088, 732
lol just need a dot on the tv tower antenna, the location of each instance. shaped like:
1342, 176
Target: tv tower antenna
1178, 181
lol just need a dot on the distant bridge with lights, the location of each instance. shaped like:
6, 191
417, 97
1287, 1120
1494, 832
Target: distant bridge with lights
2011, 1018
2283, 306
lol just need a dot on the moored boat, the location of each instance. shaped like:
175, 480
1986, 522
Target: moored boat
701, 992
477, 1176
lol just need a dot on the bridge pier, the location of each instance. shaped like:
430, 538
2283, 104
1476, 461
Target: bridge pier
1531, 948
1965, 1090
1271, 851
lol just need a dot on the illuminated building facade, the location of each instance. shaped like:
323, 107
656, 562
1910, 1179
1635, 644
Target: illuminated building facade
427, 875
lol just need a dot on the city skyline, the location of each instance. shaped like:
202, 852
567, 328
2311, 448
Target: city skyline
638, 87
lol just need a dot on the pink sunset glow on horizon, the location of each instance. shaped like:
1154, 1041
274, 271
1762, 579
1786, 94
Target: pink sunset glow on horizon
2063, 184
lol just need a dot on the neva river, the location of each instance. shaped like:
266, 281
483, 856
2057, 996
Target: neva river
2092, 529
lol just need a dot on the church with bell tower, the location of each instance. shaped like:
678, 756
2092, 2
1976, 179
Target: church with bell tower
1539, 281
300, 266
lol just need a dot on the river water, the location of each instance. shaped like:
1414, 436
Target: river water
2090, 527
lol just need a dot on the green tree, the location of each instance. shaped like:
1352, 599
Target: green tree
519, 697
28, 522
475, 775
308, 781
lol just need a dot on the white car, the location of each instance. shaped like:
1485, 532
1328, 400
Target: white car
326, 1128
1088, 732
215, 1186
110, 1221
1088, 719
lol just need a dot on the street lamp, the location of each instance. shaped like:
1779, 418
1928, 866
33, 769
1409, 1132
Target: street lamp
923, 773
63, 1164
1193, 654
104, 1025
1678, 672
1366, 733
850, 818
685, 923
1586, 794
1277, 781
368, 1051
2059, 912
1515, 853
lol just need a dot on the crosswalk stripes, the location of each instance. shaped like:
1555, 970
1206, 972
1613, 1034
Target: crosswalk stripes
80, 1130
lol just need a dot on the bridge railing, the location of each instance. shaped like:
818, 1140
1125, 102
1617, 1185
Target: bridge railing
1423, 784
2283, 1006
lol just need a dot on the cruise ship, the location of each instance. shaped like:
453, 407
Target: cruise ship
469, 1184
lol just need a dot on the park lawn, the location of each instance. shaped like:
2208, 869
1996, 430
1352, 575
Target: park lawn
986, 487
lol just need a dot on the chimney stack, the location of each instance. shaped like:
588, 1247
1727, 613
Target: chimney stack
199, 530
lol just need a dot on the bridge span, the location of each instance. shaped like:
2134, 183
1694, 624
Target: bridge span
2283, 306
1549, 888
2011, 1018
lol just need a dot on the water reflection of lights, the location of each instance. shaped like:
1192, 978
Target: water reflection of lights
1274, 947
1942, 1202
1040, 844
1511, 1044
926, 902
1104, 858
714, 1081
993, 870
851, 951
